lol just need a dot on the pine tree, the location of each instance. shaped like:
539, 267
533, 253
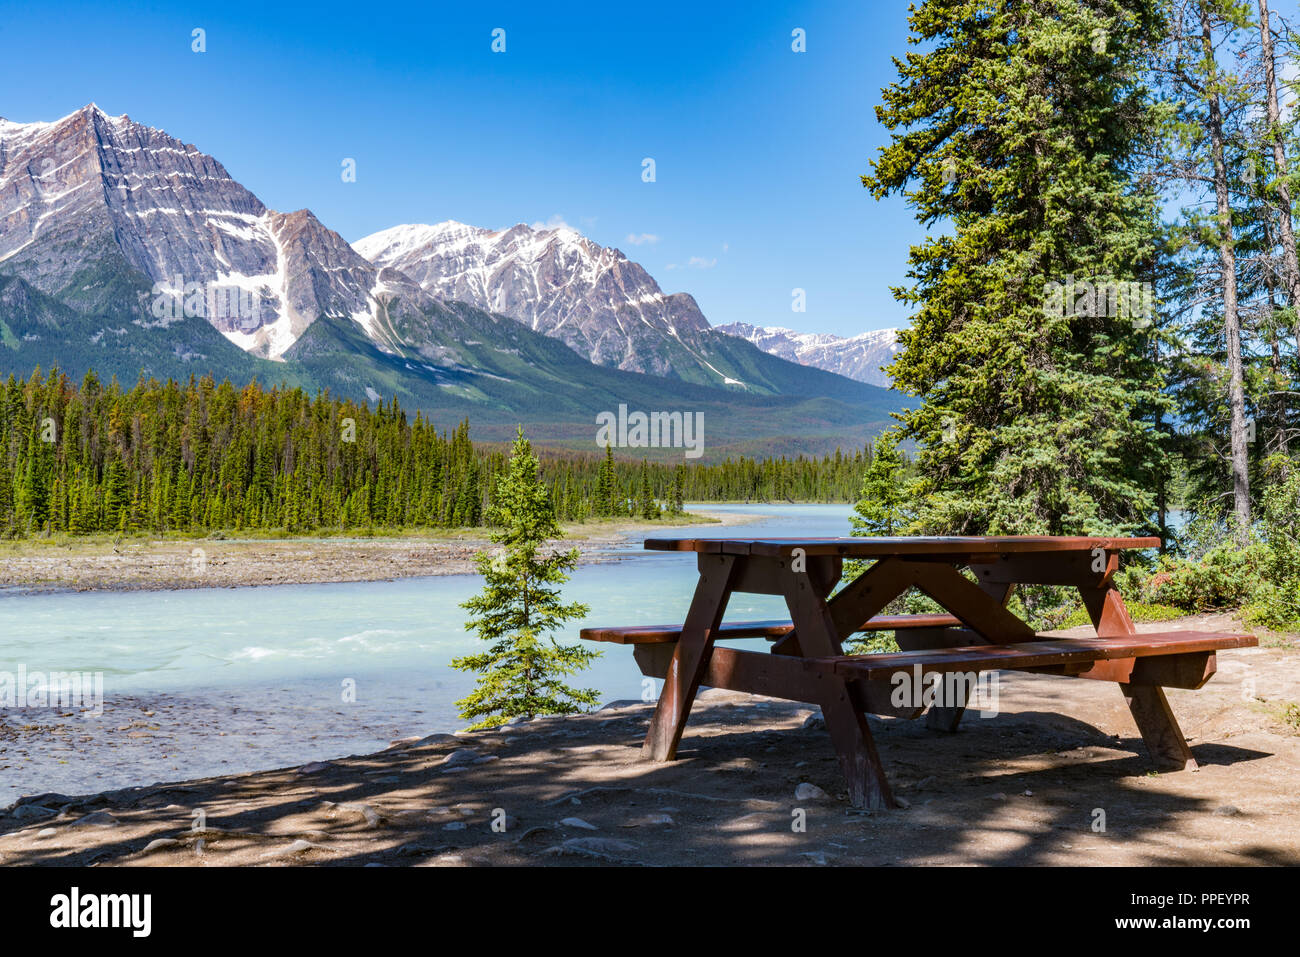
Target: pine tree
1018, 124
649, 507
605, 485
521, 673
882, 505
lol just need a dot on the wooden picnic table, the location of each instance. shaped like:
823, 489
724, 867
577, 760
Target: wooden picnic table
976, 633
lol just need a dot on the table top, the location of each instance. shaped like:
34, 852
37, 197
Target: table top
954, 545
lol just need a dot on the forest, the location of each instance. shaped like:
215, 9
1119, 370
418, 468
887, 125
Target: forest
199, 457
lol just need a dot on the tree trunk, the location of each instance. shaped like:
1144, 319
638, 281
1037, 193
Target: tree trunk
1228, 265
1290, 266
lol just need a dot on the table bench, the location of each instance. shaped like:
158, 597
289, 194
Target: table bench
976, 634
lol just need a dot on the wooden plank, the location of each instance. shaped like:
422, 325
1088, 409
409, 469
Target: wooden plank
751, 672
866, 596
1065, 568
771, 629
860, 600
956, 547
667, 634
1030, 654
784, 677
1189, 671
690, 658
977, 609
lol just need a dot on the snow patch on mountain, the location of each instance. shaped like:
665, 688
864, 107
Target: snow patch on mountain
858, 357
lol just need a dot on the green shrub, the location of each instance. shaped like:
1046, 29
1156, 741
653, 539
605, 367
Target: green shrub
1226, 577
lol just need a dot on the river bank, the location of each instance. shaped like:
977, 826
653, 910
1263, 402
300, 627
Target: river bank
1022, 787
148, 563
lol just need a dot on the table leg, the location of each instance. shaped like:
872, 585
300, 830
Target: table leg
859, 761
690, 657
946, 718
1148, 705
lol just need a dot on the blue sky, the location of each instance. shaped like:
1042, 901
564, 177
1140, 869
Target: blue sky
758, 149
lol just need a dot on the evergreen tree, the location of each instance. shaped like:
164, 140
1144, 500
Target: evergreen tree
649, 507
1018, 124
882, 507
605, 485
521, 673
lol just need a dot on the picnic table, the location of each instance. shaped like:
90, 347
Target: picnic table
976, 633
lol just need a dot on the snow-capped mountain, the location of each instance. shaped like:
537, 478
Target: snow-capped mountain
127, 252
562, 284
81, 196
859, 357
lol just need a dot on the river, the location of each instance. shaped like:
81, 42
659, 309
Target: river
203, 682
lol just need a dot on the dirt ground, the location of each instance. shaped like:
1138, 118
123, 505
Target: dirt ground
1058, 776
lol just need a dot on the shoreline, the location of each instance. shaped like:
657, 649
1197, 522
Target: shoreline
35, 567
1018, 787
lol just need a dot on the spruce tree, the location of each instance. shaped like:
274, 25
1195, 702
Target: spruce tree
882, 507
519, 608
1015, 129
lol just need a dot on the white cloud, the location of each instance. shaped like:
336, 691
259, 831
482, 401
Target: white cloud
695, 262
638, 240
555, 222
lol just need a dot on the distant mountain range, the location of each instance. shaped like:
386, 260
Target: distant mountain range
860, 357
125, 250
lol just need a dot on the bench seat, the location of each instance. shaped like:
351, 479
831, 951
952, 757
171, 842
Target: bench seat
1029, 654
771, 630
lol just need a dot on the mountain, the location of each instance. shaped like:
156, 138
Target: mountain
92, 198
591, 297
125, 250
859, 357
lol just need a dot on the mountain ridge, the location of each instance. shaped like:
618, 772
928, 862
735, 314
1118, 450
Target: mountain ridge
124, 249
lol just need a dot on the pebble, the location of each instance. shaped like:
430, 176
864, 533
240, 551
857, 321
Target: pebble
46, 832
1227, 810
365, 810
313, 767
461, 756
98, 819
578, 823
814, 722
297, 847
435, 739
603, 848
807, 791
32, 812
159, 844
455, 826
651, 820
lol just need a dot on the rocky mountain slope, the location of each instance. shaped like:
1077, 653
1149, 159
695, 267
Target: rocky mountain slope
858, 357
125, 250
